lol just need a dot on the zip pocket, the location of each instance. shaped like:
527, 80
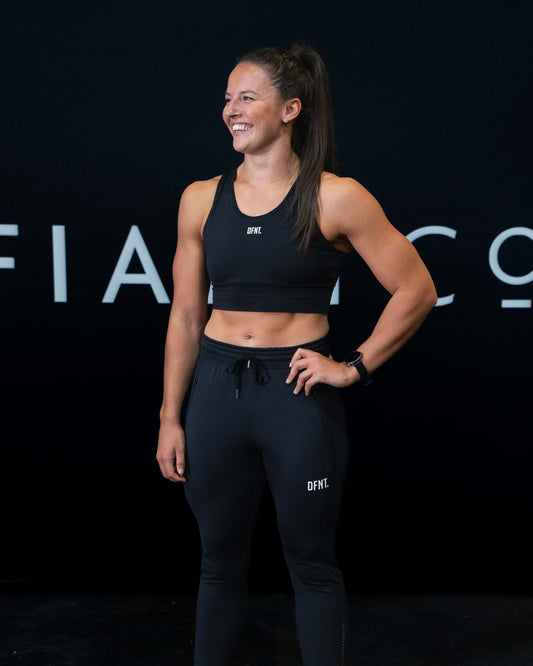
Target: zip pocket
321, 396
195, 378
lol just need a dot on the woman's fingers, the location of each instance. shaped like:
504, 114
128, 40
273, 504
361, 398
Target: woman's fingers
299, 362
310, 368
180, 466
294, 366
306, 382
168, 470
307, 367
171, 452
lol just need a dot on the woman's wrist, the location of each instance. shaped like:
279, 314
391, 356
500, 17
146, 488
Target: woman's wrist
351, 376
354, 359
169, 418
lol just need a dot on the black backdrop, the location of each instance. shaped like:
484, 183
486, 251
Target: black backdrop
110, 111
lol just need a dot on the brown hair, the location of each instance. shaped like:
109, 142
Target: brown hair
301, 72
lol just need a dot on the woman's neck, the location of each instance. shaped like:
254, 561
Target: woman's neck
269, 169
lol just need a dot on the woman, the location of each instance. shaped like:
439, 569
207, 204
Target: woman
272, 236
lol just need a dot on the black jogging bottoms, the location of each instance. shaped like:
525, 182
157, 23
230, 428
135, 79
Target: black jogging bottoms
245, 427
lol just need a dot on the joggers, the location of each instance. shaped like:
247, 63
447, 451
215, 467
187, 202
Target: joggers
244, 426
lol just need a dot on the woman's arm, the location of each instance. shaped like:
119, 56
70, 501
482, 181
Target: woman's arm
395, 263
188, 316
349, 211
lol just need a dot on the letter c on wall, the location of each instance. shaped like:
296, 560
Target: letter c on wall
435, 229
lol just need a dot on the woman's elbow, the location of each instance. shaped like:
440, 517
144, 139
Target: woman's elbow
429, 298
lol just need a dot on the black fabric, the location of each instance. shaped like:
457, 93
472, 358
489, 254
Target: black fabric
256, 266
298, 445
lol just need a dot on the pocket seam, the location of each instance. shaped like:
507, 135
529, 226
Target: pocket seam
325, 425
195, 378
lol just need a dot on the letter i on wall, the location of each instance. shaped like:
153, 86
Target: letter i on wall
59, 259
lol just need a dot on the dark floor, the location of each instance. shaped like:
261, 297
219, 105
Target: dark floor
122, 630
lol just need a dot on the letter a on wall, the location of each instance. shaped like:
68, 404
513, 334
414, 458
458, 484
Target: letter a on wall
135, 243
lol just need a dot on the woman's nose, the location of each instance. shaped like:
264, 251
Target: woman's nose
232, 107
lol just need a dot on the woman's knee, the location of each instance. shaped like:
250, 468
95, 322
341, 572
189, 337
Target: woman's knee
224, 566
319, 574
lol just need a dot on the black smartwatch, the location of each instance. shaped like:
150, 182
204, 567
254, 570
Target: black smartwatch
355, 360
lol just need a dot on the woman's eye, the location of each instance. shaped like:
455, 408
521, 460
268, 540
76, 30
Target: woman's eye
247, 99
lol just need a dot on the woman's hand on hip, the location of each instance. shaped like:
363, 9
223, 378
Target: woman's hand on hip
310, 368
171, 451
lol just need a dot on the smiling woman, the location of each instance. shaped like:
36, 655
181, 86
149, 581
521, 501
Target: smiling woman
263, 406
254, 108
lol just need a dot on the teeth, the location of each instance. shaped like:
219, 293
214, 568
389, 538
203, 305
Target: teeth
240, 127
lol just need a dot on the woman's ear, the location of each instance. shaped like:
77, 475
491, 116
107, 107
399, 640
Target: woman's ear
292, 109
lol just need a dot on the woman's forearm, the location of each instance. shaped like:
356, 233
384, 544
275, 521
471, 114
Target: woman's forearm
181, 352
402, 316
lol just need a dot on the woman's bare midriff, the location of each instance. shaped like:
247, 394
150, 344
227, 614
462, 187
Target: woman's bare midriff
266, 329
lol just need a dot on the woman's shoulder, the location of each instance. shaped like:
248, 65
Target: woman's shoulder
346, 203
339, 189
201, 189
345, 194
199, 195
195, 203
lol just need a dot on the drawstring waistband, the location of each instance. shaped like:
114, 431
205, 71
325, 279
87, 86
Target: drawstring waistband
262, 375
237, 359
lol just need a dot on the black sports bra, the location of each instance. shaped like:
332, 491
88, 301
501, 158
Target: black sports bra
255, 266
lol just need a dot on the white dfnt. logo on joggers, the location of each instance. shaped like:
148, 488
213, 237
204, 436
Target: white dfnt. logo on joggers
318, 484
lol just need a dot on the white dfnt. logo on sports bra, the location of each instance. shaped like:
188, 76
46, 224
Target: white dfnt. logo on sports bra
253, 230
319, 484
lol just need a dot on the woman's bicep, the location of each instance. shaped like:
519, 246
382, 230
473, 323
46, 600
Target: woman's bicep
191, 283
390, 256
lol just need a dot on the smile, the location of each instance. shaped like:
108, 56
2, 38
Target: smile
241, 127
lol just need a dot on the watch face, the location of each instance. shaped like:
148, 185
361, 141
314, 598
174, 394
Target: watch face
353, 357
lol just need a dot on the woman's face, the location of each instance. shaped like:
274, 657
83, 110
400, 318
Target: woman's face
253, 112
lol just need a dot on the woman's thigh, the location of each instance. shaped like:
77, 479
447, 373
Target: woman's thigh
305, 455
225, 475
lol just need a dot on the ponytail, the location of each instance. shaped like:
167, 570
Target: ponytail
300, 72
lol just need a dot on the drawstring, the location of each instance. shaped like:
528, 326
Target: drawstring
261, 373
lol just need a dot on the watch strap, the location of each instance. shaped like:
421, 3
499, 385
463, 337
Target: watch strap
355, 360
